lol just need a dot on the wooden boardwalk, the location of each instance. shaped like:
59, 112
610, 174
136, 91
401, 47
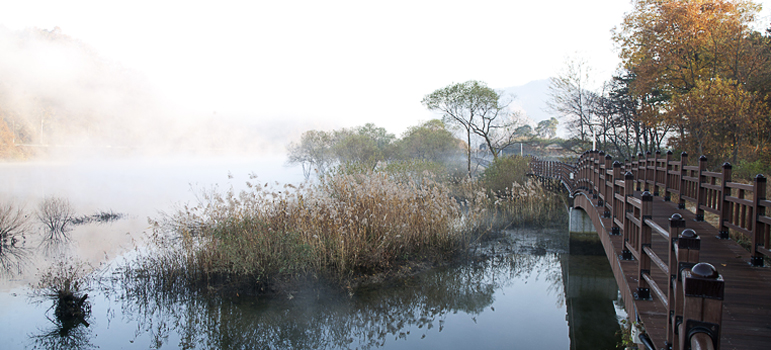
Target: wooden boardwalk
742, 317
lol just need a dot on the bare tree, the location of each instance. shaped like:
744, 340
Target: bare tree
570, 99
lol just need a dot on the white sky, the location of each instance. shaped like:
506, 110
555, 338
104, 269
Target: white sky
335, 63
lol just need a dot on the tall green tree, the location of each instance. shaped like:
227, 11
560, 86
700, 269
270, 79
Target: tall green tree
474, 108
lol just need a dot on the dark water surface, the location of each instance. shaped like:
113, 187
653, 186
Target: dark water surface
532, 289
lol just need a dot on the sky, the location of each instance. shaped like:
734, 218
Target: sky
329, 64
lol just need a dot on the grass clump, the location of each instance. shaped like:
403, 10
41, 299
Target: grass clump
348, 225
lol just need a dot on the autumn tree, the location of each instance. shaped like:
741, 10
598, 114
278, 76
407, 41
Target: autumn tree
474, 108
697, 59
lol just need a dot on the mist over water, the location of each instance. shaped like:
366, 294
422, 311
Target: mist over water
139, 187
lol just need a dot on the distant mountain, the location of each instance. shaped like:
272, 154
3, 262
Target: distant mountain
532, 98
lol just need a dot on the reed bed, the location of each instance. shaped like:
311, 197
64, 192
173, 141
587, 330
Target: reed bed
346, 226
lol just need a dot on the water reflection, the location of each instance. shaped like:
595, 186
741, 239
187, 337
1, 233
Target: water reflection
315, 319
68, 335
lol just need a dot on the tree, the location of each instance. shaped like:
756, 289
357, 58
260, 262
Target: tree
314, 151
570, 98
366, 144
430, 141
698, 61
475, 108
547, 128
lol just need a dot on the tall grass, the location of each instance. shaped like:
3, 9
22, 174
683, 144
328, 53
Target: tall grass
349, 224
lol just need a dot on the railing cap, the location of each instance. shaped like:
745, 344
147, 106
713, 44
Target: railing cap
607, 156
704, 270
628, 176
727, 165
616, 164
647, 196
676, 217
688, 233
658, 151
760, 178
684, 154
669, 152
703, 158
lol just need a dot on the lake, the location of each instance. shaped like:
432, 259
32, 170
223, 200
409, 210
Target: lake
528, 289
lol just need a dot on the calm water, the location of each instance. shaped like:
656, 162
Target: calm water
533, 289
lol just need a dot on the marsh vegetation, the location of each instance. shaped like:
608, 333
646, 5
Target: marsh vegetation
353, 227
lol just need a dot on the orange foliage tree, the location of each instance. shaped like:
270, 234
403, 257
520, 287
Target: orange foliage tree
707, 65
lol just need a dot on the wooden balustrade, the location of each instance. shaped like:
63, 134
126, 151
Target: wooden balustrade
623, 193
739, 207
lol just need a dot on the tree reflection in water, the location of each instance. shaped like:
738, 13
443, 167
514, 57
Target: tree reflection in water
64, 335
319, 319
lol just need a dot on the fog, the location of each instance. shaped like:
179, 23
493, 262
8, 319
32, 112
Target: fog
59, 98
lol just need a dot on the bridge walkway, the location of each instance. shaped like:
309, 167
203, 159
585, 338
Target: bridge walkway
746, 322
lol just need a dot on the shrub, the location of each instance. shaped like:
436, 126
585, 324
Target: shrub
56, 214
503, 172
13, 226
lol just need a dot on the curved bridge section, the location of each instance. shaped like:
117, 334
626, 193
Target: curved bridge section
682, 279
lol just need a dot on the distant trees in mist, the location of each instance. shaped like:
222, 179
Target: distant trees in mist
370, 146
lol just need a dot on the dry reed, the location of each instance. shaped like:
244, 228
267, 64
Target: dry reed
348, 224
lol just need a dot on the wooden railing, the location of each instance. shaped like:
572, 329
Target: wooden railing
693, 292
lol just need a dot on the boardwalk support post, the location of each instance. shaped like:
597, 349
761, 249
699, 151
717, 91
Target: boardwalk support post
703, 289
676, 225
759, 231
701, 192
644, 263
725, 206
628, 191
683, 174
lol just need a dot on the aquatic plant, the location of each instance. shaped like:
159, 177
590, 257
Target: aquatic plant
14, 224
66, 283
56, 214
100, 216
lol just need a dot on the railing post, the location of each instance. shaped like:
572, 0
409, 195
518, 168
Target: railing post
644, 264
607, 193
629, 184
725, 206
596, 170
656, 157
758, 228
640, 170
683, 174
701, 192
703, 291
686, 255
615, 230
667, 169
676, 225
648, 173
